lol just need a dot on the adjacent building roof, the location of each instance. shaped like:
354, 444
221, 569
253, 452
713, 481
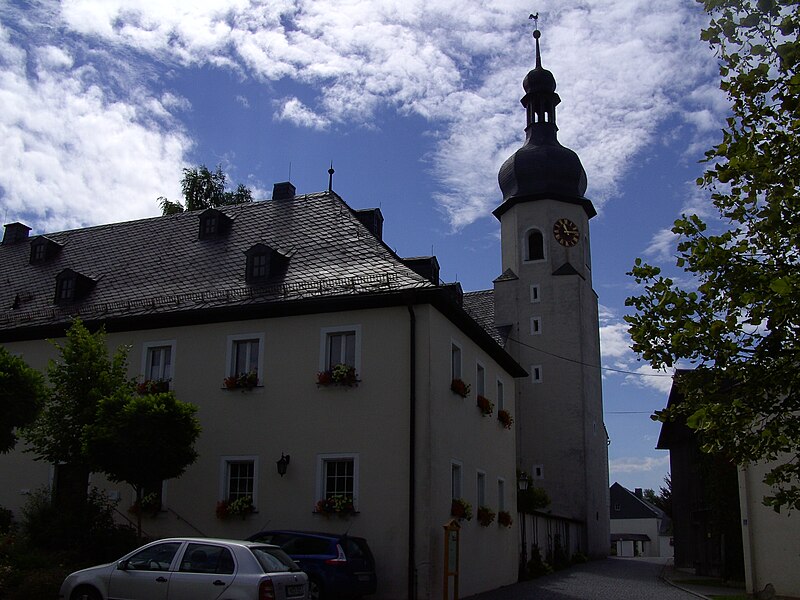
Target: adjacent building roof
626, 504
480, 306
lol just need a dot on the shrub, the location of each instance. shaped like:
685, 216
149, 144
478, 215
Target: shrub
536, 566
6, 520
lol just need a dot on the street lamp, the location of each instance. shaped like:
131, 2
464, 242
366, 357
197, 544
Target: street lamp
522, 486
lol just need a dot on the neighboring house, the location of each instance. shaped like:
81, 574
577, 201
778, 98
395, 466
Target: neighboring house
771, 538
705, 505
286, 289
721, 525
637, 527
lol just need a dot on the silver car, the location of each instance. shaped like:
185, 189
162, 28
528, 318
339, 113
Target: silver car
192, 569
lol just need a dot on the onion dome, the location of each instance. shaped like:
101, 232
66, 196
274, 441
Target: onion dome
542, 167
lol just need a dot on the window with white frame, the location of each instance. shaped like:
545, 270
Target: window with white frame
480, 488
337, 476
536, 373
340, 346
501, 494
456, 490
536, 325
455, 361
239, 478
536, 293
246, 355
157, 360
480, 380
501, 401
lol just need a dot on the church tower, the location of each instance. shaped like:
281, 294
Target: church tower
545, 301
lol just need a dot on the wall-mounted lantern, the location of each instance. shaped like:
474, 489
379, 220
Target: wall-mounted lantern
282, 464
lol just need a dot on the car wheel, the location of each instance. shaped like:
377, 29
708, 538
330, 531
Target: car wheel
85, 593
314, 589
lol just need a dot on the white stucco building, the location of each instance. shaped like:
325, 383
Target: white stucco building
288, 288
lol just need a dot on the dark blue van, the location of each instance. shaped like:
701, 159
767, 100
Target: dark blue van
338, 566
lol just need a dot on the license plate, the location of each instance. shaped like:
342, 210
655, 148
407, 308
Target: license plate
295, 590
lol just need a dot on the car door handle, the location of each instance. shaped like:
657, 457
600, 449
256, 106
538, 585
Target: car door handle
161, 579
219, 582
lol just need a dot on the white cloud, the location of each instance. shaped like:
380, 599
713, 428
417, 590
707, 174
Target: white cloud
662, 244
458, 65
74, 155
614, 340
644, 464
647, 377
294, 111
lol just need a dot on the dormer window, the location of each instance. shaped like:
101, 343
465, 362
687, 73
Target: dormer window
71, 286
43, 249
65, 288
213, 223
263, 262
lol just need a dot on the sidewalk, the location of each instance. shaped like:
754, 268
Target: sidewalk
698, 585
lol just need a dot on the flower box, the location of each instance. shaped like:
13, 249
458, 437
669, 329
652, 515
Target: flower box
485, 405
485, 516
243, 381
341, 374
461, 509
504, 519
152, 386
460, 388
335, 505
150, 504
241, 507
505, 418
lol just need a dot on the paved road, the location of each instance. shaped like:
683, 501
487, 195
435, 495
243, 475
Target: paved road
609, 579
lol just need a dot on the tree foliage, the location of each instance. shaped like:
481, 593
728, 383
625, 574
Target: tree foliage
21, 396
79, 379
662, 499
142, 440
737, 322
205, 189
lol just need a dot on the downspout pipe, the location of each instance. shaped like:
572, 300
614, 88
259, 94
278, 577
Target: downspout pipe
412, 447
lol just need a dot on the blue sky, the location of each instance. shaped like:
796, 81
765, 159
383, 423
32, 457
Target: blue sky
416, 103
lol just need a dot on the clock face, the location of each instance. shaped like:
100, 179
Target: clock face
566, 232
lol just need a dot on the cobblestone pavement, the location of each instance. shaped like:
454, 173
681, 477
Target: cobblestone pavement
609, 579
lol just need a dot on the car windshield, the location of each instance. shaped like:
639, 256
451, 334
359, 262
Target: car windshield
273, 560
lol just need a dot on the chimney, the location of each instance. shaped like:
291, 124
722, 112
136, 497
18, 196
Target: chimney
15, 232
283, 191
638, 493
372, 219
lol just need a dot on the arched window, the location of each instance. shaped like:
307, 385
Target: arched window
535, 245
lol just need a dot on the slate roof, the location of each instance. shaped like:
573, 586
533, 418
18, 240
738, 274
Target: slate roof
159, 272
160, 264
480, 306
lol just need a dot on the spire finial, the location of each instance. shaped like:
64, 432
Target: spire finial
330, 178
536, 35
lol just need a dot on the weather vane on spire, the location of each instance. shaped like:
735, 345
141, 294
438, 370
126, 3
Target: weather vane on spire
536, 35
535, 17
